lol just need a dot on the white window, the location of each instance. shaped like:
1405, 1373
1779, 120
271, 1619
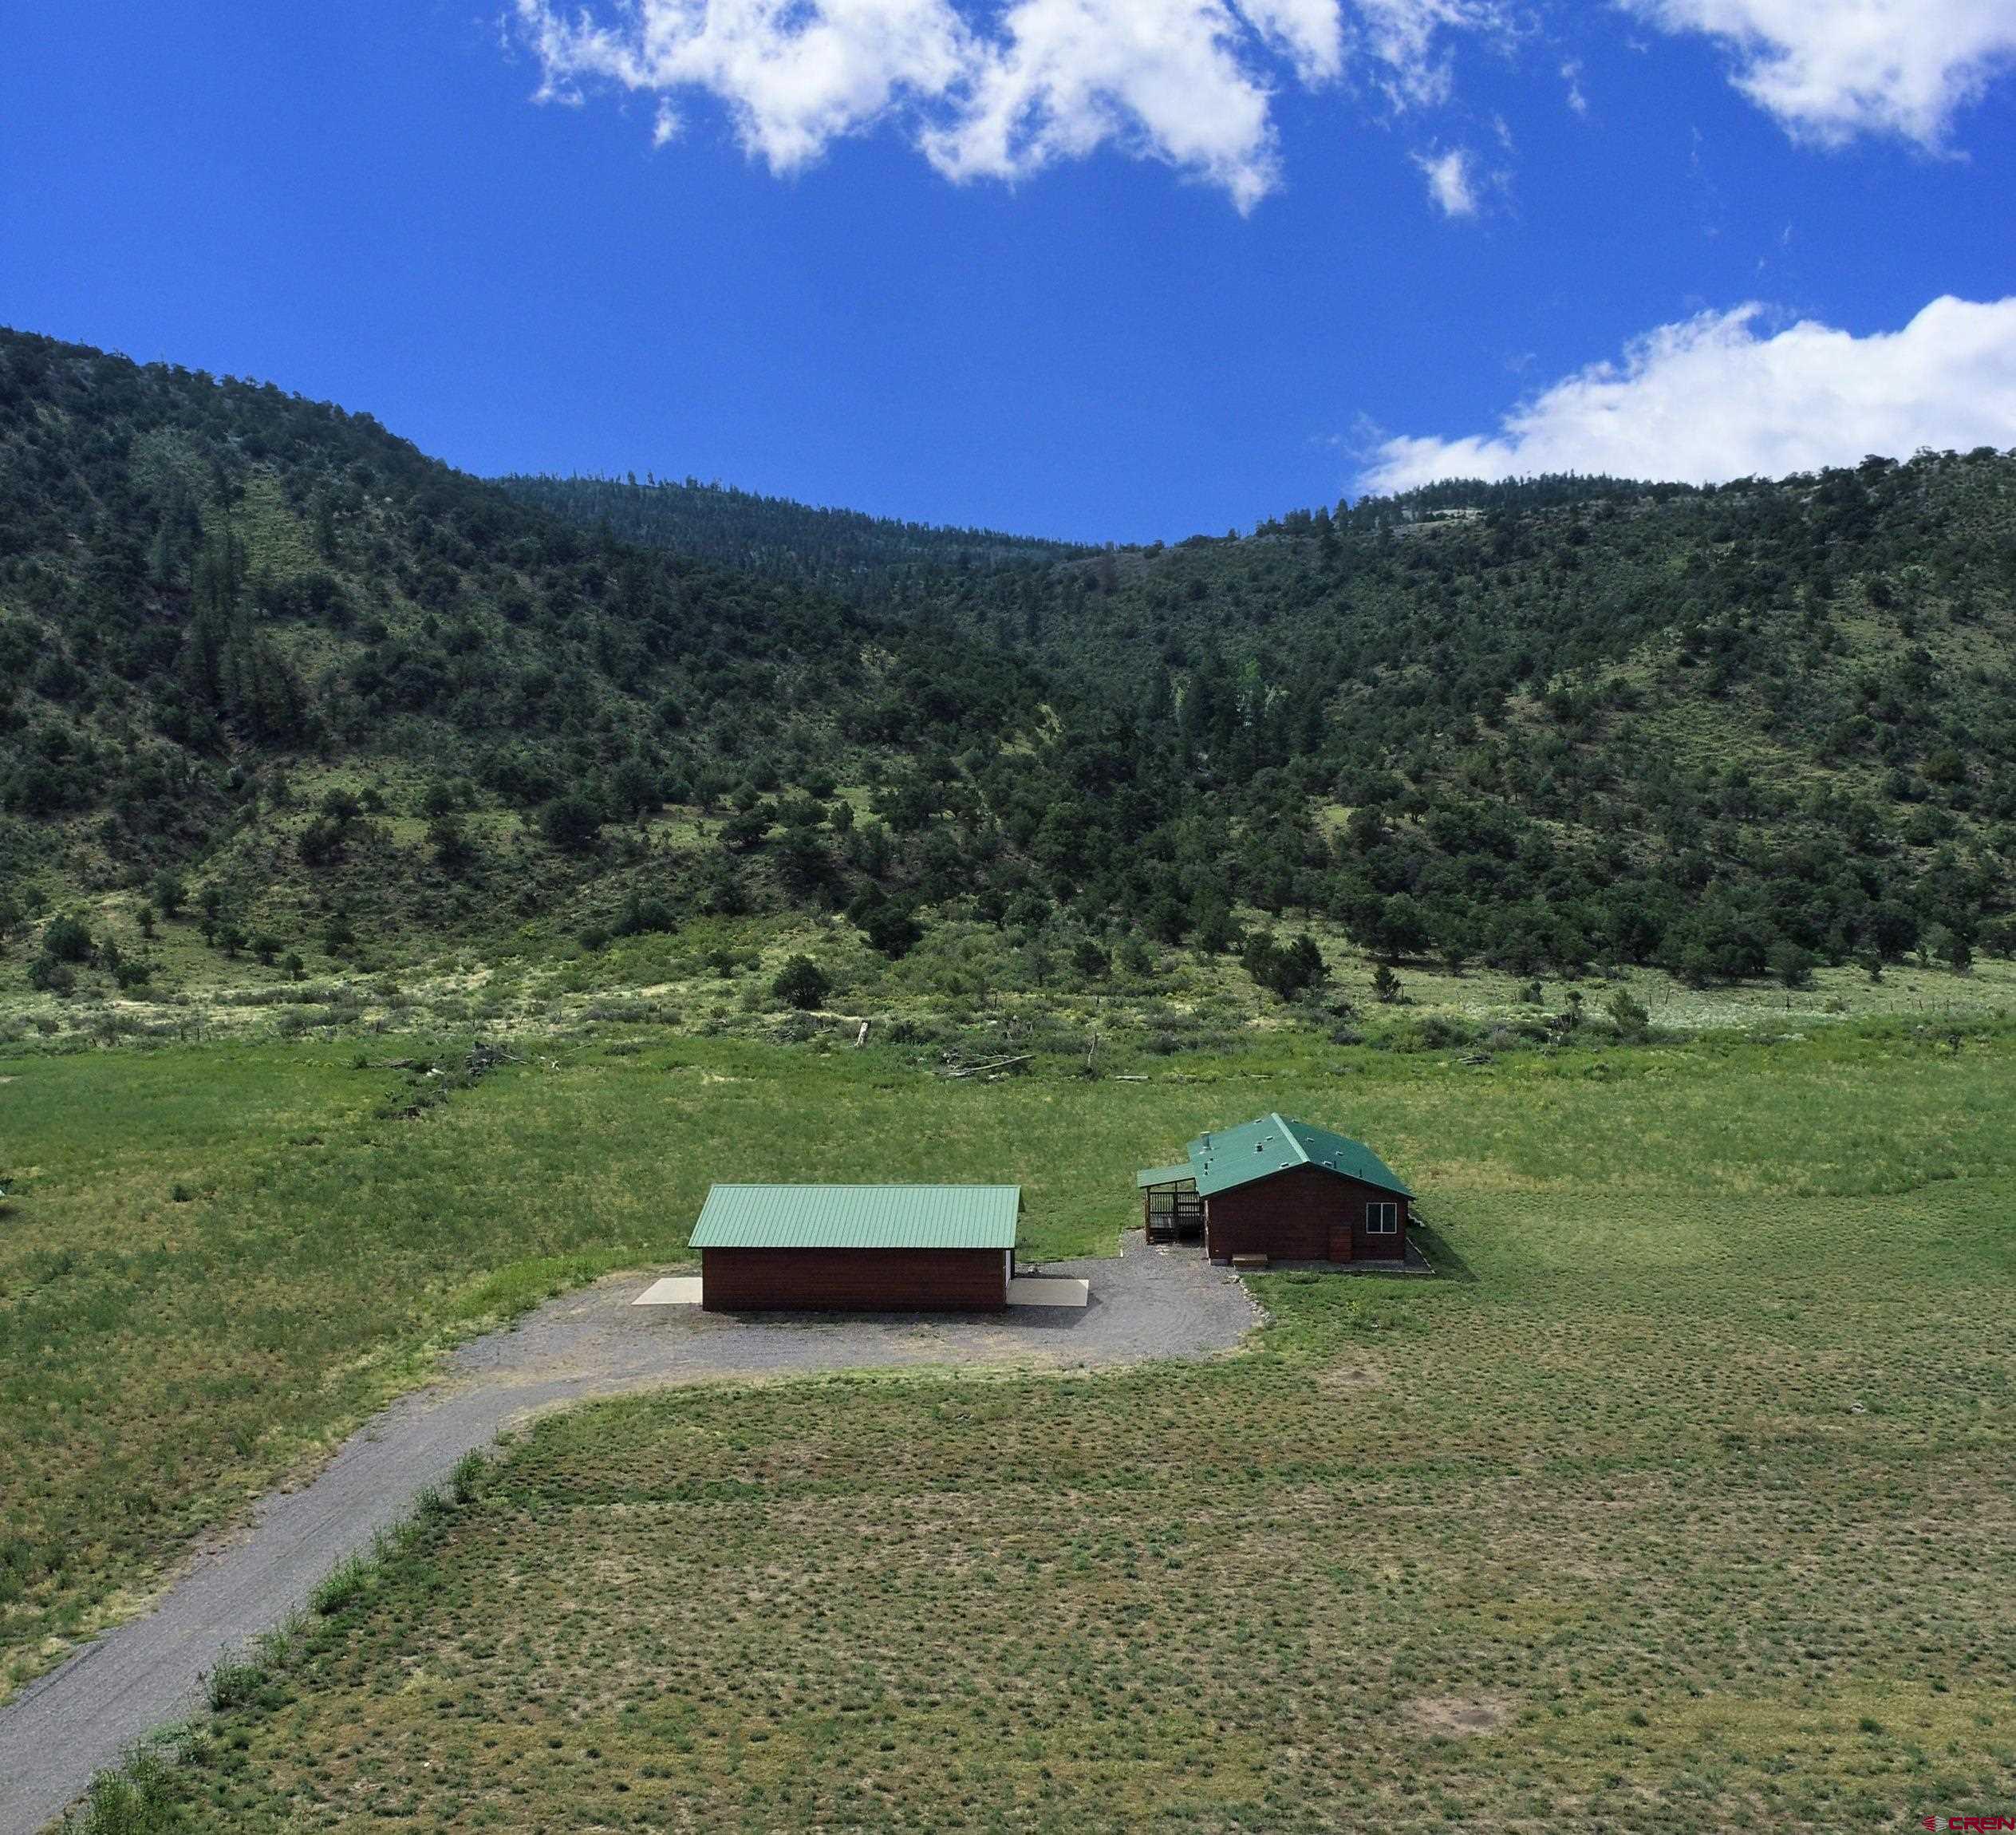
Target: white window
1382, 1220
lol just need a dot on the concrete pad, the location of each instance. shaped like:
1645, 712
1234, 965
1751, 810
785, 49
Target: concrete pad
674, 1290
1034, 1290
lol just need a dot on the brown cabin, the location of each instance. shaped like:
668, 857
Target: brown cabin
1282, 1190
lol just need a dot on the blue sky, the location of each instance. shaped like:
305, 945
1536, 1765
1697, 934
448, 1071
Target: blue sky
1107, 270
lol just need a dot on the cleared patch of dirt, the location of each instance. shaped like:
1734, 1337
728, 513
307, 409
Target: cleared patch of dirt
1459, 1716
1346, 1381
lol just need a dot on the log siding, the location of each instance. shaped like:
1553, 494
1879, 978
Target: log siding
854, 1280
1304, 1214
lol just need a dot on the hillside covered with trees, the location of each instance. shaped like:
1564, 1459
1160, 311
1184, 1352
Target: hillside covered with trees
1562, 719
842, 552
258, 655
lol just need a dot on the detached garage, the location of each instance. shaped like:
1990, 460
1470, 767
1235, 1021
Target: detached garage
858, 1247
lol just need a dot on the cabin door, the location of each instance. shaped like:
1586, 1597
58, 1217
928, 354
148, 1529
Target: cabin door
1340, 1239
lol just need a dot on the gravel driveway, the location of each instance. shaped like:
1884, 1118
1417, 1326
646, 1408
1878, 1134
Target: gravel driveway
1151, 1303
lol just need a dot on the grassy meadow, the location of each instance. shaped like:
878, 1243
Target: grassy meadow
1681, 1503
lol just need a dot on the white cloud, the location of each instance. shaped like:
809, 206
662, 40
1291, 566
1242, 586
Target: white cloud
1830, 69
1164, 78
1450, 181
1190, 82
1710, 399
1000, 88
795, 78
1312, 32
1406, 41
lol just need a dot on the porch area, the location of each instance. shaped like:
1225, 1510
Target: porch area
1171, 1210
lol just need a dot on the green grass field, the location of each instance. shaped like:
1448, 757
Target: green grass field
1682, 1503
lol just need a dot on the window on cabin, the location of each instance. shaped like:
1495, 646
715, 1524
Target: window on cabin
1382, 1220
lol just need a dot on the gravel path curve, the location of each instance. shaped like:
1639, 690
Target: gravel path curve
78, 1719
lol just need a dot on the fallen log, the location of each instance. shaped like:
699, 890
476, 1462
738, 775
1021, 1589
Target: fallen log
981, 1070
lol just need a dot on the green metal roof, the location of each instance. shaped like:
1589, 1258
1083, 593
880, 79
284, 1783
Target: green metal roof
859, 1217
1164, 1175
1259, 1149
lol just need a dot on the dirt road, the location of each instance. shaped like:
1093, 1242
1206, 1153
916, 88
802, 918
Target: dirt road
1150, 1304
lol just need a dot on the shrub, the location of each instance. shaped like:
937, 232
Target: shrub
746, 829
890, 927
233, 1683
468, 1476
801, 983
343, 1586
49, 976
1791, 964
646, 915
571, 824
453, 852
1134, 956
1631, 1017
320, 842
1216, 933
142, 1797
1091, 961
1288, 971
66, 940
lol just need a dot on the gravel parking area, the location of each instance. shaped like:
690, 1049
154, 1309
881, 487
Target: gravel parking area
1151, 1303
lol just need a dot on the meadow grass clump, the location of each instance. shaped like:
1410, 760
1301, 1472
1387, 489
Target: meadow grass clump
234, 1683
143, 1796
466, 1479
344, 1585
